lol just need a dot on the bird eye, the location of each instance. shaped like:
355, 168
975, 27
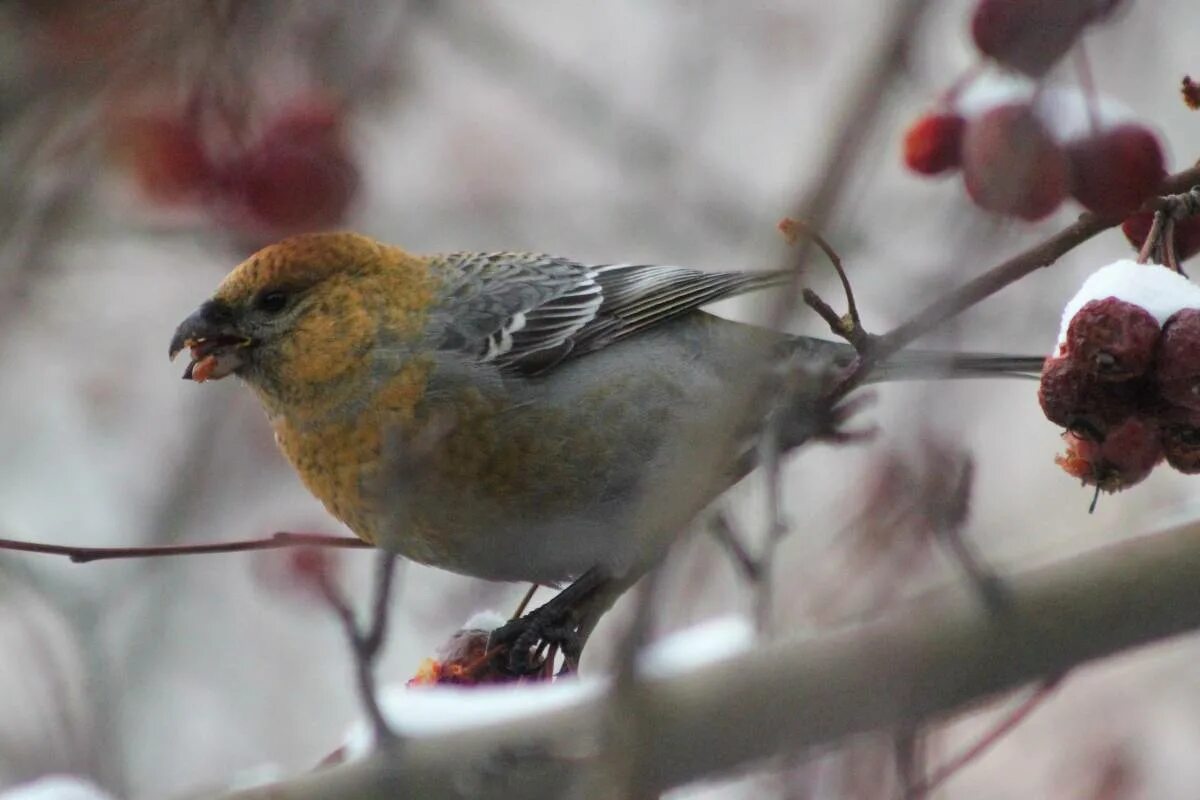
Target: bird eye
271, 302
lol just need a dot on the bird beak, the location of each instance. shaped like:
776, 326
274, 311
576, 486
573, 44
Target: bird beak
217, 348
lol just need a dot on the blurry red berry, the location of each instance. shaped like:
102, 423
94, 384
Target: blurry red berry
933, 144
1191, 93
297, 177
299, 572
1127, 455
464, 660
295, 189
1178, 369
1113, 339
315, 565
1180, 437
167, 158
1136, 227
1011, 164
1072, 396
1030, 36
1115, 171
1187, 233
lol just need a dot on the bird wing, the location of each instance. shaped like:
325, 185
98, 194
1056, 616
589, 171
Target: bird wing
526, 312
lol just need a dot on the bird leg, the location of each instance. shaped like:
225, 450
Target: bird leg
561, 622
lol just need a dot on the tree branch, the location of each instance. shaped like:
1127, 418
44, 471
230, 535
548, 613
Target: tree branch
924, 660
81, 554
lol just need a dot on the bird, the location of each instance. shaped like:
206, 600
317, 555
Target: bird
517, 416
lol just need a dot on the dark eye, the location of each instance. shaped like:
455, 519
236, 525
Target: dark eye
271, 302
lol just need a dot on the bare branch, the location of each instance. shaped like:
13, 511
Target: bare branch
1010, 271
989, 739
81, 554
367, 645
924, 660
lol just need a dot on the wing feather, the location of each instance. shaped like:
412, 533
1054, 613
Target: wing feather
526, 312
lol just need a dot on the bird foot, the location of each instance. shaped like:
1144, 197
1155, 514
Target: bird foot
558, 626
519, 643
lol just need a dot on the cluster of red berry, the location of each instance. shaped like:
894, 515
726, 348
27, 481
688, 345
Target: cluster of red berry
293, 174
1011, 159
465, 659
1125, 379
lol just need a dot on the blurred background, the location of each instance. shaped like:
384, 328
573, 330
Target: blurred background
146, 148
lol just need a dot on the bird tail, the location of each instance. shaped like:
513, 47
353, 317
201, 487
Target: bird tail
908, 365
918, 365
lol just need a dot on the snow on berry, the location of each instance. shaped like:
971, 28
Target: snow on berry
1124, 379
1012, 165
1029, 36
1066, 111
1158, 290
1024, 146
1178, 369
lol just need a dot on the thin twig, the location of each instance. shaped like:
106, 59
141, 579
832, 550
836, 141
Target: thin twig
988, 585
1084, 69
790, 227
860, 113
824, 311
524, 604
366, 646
992, 281
1170, 256
990, 738
722, 530
624, 728
1153, 237
81, 554
862, 110
908, 745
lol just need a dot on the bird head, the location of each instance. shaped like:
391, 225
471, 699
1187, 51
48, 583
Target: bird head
298, 315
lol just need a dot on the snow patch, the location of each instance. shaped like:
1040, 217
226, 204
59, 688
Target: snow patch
1159, 290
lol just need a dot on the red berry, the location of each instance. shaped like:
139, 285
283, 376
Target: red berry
1127, 455
1072, 396
1178, 369
1029, 36
314, 120
1180, 437
297, 188
297, 177
303, 573
1187, 233
1191, 92
1115, 171
1011, 164
1113, 339
168, 160
933, 144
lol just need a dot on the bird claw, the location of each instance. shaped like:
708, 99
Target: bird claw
519, 641
830, 421
559, 625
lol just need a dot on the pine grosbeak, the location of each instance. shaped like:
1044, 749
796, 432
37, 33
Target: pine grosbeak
510, 416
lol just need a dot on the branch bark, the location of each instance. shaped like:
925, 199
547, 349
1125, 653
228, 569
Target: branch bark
933, 656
